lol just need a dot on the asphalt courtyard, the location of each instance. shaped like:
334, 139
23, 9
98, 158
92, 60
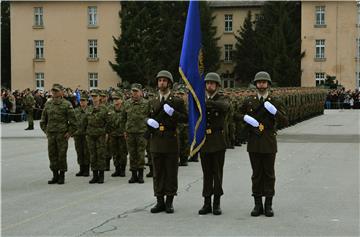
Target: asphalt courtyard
317, 190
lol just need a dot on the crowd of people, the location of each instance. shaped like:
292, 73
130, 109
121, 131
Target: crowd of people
343, 99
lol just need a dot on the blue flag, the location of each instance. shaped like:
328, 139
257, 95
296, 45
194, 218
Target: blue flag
191, 69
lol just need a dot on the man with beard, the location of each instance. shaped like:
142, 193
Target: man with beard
262, 113
212, 153
166, 111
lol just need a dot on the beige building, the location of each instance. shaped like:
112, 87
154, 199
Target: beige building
229, 17
63, 42
330, 33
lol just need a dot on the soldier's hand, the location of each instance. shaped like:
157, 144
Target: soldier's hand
270, 107
152, 123
67, 136
125, 135
168, 109
251, 121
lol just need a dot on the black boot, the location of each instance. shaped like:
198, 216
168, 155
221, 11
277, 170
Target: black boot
101, 177
258, 209
95, 177
122, 171
268, 209
183, 161
160, 205
80, 173
140, 176
216, 205
61, 179
150, 174
117, 172
86, 171
29, 128
207, 206
55, 177
134, 177
169, 204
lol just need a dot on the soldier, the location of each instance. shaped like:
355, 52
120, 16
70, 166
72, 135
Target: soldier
29, 103
96, 137
262, 112
81, 147
135, 112
166, 111
213, 151
116, 135
184, 146
104, 101
58, 122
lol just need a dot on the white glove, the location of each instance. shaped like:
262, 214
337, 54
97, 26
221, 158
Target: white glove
168, 109
250, 120
270, 107
152, 123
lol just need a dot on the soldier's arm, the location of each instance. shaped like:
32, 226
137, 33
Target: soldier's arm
72, 122
280, 116
180, 113
44, 119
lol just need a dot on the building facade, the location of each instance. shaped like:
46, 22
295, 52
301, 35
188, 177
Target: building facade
229, 17
330, 32
63, 42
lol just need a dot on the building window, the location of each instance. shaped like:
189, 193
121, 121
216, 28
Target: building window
358, 48
93, 80
228, 80
319, 78
38, 16
358, 13
320, 15
39, 49
228, 53
320, 49
228, 23
92, 16
93, 49
39, 80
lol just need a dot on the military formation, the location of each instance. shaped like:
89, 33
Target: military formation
140, 125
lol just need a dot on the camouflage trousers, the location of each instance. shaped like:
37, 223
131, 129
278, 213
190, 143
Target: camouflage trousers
96, 146
30, 117
118, 150
83, 157
57, 149
136, 145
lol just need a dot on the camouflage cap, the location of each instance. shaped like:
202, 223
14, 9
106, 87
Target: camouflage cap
84, 96
57, 87
94, 92
136, 87
182, 90
117, 95
102, 93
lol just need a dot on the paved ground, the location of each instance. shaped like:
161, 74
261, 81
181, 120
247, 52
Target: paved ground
317, 190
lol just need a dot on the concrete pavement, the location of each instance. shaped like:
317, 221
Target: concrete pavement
317, 190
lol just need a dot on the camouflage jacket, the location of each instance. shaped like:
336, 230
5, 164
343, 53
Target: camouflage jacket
80, 115
58, 116
97, 121
135, 114
28, 102
116, 122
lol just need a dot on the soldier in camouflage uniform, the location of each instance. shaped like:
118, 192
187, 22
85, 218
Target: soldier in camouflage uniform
58, 122
104, 101
96, 137
29, 103
135, 112
83, 157
116, 135
184, 146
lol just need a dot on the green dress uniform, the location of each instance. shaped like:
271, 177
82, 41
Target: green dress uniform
164, 146
262, 144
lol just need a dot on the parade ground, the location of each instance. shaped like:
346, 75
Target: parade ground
317, 190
